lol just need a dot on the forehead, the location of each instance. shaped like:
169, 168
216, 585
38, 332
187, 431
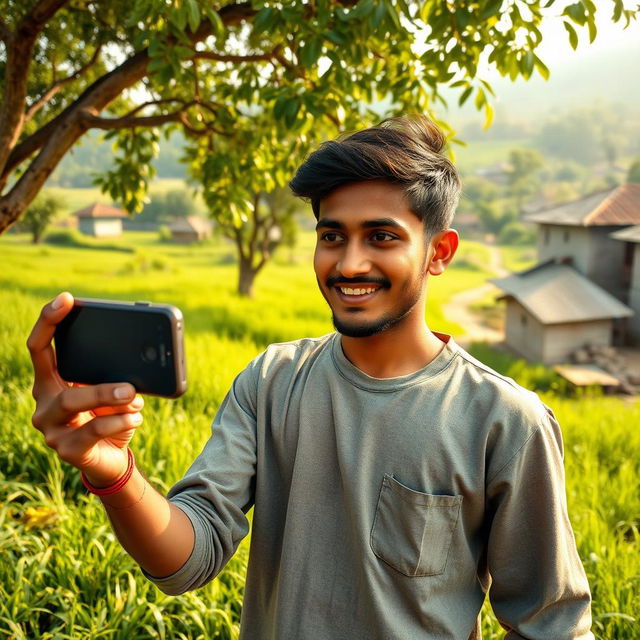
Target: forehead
373, 199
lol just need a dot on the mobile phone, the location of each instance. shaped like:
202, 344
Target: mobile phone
113, 341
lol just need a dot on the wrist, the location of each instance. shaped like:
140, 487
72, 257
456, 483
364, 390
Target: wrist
114, 487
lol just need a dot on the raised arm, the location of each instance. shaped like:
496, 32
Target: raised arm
90, 427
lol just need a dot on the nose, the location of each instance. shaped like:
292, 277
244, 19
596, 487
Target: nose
354, 261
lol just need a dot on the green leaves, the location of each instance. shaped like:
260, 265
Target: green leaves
127, 182
573, 36
303, 66
311, 50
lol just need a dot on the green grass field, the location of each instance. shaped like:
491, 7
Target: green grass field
62, 573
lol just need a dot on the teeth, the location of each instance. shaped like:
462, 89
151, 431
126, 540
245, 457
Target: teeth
356, 292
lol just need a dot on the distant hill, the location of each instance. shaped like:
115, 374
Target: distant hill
611, 77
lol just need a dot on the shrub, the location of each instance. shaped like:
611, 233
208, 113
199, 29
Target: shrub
65, 238
164, 233
515, 233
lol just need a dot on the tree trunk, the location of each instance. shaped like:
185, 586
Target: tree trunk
246, 275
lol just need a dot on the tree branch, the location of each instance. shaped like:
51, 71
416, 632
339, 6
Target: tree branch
19, 51
54, 139
56, 86
257, 57
33, 21
95, 97
93, 121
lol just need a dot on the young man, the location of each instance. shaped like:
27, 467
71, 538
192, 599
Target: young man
393, 477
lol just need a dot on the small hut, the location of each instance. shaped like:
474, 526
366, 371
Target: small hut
100, 220
552, 310
190, 229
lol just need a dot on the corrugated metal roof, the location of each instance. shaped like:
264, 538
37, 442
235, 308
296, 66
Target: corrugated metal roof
631, 234
99, 210
615, 207
557, 293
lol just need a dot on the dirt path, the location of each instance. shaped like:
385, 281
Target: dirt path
458, 308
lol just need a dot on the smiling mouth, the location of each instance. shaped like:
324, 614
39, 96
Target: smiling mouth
357, 291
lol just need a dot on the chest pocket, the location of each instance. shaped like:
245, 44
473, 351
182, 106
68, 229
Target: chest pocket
412, 531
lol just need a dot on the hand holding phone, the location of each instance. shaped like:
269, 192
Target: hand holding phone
111, 341
89, 427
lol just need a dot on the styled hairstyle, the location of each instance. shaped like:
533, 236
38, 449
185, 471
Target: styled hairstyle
405, 151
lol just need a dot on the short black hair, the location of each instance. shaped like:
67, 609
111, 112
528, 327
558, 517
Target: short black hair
405, 151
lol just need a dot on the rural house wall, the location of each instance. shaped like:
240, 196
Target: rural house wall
523, 332
606, 262
594, 254
101, 228
562, 241
561, 340
634, 296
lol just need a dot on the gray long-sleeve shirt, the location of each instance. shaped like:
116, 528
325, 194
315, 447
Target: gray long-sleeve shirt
384, 508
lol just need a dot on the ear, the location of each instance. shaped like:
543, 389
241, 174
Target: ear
442, 248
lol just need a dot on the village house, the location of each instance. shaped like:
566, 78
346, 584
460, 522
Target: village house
100, 220
582, 291
190, 229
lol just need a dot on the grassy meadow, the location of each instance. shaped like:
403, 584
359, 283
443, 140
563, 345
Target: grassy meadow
63, 575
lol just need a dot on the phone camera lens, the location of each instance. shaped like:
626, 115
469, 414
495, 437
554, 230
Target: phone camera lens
149, 353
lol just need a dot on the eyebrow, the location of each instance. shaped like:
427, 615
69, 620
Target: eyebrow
328, 223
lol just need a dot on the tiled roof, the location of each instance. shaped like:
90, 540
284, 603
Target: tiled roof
615, 207
557, 293
190, 223
99, 210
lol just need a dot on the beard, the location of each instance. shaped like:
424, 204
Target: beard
409, 297
368, 329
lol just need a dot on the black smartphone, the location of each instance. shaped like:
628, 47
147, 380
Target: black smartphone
112, 341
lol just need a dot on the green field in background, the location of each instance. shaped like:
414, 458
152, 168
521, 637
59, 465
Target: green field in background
62, 573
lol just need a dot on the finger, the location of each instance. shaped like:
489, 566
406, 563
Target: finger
118, 430
75, 400
77, 447
39, 342
135, 405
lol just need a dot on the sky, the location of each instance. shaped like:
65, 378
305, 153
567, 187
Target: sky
555, 47
605, 70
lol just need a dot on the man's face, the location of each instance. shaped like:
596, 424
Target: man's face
370, 258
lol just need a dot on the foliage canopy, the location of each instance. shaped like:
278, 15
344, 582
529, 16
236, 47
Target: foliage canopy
279, 73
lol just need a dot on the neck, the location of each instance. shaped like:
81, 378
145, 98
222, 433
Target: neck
398, 351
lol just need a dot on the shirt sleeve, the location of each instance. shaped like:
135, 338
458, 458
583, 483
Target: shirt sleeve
218, 490
539, 589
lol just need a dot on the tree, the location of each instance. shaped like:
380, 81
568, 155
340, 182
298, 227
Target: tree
633, 174
522, 176
245, 193
494, 216
588, 135
129, 67
164, 207
39, 215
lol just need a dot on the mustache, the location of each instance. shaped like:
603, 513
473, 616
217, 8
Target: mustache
334, 280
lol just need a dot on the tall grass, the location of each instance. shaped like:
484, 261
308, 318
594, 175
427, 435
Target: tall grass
63, 575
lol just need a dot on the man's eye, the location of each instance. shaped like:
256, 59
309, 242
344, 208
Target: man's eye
382, 236
330, 236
